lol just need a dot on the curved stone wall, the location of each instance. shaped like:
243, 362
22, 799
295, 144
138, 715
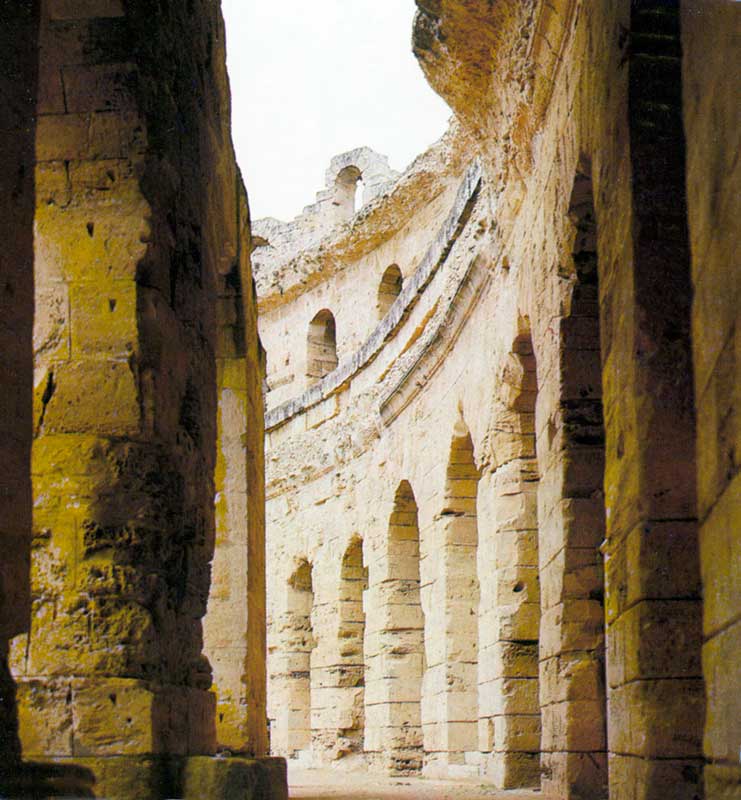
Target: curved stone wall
529, 410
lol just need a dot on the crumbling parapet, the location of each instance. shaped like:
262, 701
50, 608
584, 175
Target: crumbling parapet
336, 204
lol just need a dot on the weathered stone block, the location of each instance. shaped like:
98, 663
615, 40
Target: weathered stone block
114, 717
100, 87
46, 724
517, 733
575, 726
653, 639
103, 318
723, 710
221, 779
658, 718
100, 397
513, 770
583, 775
648, 779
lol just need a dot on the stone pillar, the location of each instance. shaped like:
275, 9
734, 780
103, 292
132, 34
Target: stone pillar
654, 609
338, 691
708, 44
325, 716
133, 190
571, 530
234, 627
395, 646
18, 88
509, 713
452, 672
291, 645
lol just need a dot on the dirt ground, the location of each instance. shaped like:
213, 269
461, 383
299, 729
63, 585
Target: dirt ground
310, 784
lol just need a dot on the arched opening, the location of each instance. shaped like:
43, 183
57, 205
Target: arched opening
452, 680
321, 351
396, 645
351, 633
389, 289
509, 727
348, 196
290, 680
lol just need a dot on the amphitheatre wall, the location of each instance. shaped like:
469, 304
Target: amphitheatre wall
502, 415
520, 449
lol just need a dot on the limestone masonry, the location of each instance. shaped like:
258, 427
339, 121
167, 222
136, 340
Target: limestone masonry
469, 505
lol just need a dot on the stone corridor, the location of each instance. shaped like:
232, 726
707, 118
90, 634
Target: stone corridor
439, 481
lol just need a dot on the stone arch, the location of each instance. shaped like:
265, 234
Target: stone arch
321, 349
291, 651
451, 737
509, 722
348, 191
389, 289
395, 649
350, 171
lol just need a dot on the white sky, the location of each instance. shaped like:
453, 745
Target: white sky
313, 79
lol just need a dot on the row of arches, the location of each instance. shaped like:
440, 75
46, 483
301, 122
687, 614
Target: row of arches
483, 634
408, 678
321, 351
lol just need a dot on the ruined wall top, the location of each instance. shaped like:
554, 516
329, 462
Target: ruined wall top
289, 258
352, 180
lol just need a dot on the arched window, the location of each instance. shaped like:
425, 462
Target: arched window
321, 353
389, 289
348, 192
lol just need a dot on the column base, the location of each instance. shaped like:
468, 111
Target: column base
149, 778
37, 781
512, 769
227, 778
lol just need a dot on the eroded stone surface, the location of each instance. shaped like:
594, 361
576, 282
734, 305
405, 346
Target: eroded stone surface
147, 408
555, 333
502, 416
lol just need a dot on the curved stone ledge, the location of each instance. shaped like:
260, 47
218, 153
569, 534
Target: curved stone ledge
438, 342
435, 256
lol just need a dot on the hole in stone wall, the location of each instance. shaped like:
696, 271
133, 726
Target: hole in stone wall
90, 229
348, 192
389, 289
321, 353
